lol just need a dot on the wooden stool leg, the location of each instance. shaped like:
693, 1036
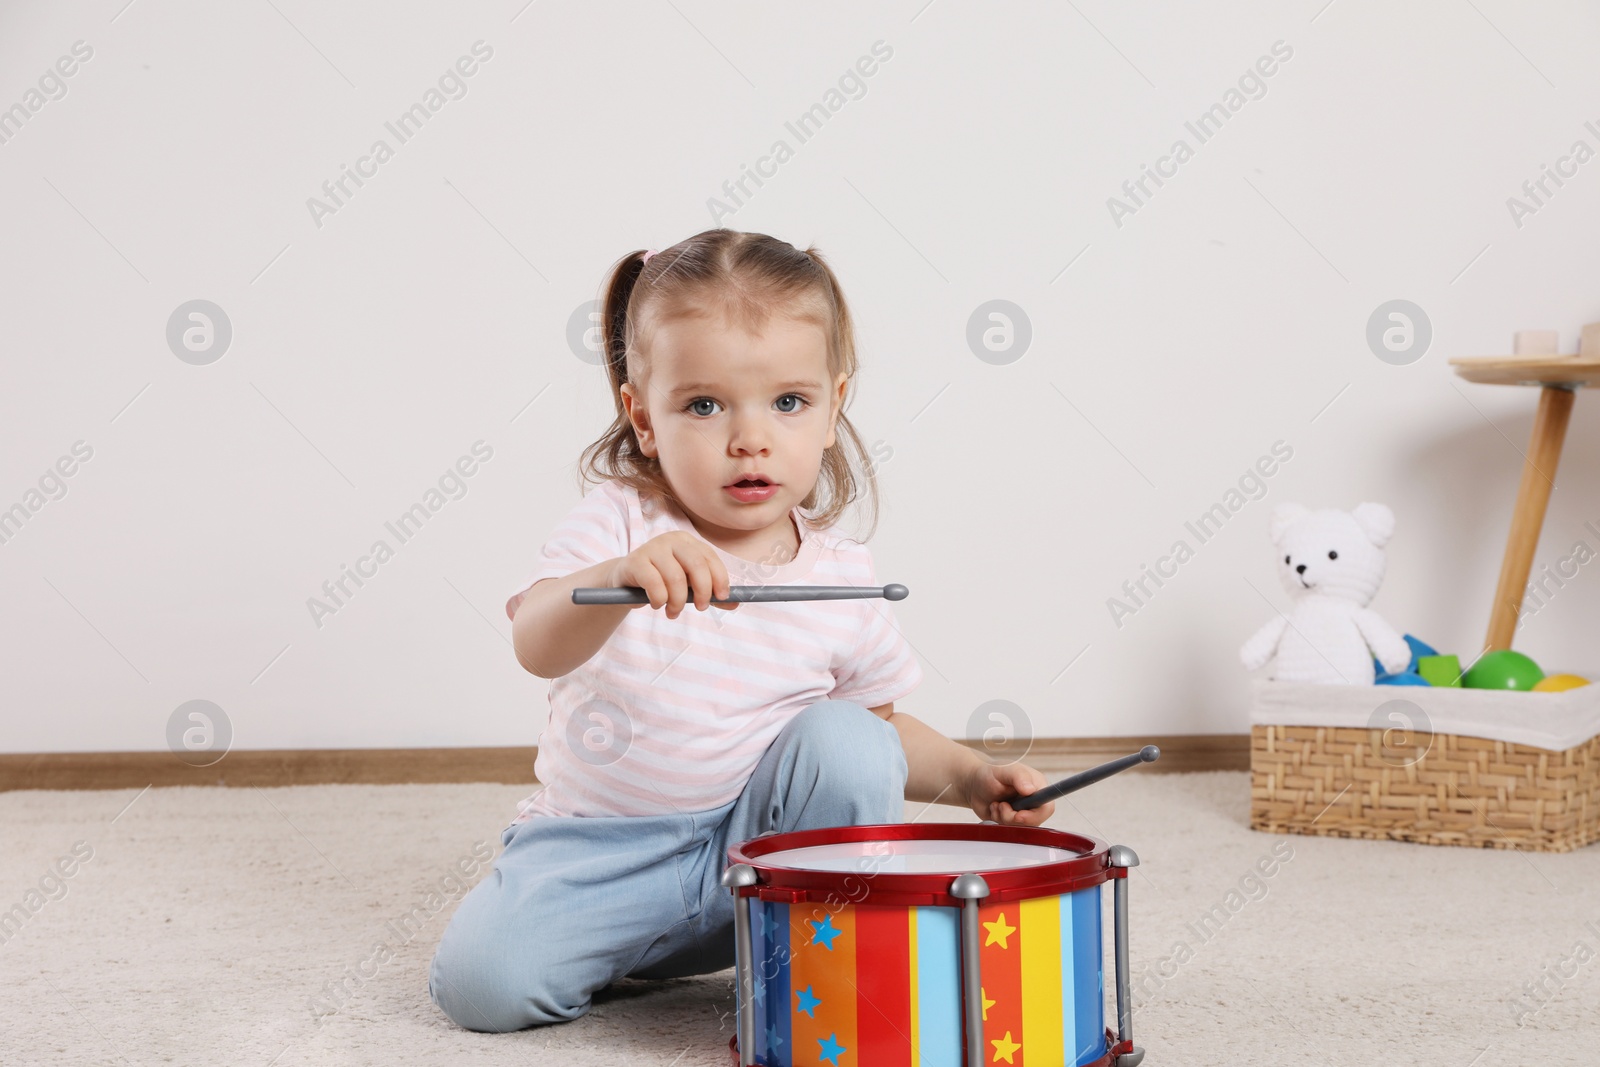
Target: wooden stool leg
1527, 517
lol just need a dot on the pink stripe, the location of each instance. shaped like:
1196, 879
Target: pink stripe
595, 792
670, 751
646, 755
602, 797
678, 701
760, 668
764, 640
669, 733
641, 747
585, 547
694, 674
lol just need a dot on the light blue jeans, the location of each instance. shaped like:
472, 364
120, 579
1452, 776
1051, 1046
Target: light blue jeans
575, 902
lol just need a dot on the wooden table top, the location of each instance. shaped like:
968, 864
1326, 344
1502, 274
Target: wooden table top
1574, 370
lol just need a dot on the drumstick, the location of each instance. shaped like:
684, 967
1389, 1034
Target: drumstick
748, 594
1147, 754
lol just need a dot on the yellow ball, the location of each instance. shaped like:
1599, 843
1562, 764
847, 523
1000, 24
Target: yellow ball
1559, 683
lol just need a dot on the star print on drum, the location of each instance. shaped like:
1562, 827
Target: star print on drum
855, 948
879, 986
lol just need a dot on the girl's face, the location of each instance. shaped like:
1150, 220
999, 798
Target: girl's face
723, 404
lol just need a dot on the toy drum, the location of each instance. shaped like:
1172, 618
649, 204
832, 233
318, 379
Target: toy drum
927, 945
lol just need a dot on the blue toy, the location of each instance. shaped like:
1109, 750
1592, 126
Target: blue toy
1409, 676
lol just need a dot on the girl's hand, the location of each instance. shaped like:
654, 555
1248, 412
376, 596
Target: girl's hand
990, 783
668, 568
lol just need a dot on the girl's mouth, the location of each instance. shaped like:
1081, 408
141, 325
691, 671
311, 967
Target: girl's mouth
751, 492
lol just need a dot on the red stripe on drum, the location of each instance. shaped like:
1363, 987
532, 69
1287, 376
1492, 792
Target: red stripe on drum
1000, 981
883, 986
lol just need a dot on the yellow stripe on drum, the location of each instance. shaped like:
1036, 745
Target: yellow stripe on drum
911, 930
1042, 964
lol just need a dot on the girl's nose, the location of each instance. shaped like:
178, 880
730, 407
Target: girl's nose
748, 436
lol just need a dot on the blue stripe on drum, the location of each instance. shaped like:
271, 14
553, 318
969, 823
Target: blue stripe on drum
1087, 1007
758, 952
1069, 979
938, 987
781, 1004
769, 946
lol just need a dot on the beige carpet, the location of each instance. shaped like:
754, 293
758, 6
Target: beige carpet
208, 922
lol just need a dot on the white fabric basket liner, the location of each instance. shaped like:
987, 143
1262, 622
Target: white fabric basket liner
1555, 721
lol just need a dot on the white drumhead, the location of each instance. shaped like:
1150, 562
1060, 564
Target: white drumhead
917, 856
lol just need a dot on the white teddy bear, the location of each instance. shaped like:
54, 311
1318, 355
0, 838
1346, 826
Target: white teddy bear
1331, 562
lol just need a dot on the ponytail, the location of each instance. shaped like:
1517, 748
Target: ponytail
614, 315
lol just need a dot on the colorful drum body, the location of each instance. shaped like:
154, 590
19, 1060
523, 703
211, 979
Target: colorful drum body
853, 948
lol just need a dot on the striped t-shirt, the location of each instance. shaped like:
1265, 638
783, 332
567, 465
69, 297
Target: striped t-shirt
672, 715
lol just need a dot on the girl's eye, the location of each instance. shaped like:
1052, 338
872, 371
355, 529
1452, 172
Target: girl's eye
693, 406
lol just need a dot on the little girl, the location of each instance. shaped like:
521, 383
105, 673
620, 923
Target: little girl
674, 734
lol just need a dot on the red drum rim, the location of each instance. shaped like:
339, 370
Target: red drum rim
792, 885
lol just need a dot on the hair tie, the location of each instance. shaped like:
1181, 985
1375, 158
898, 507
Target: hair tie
647, 256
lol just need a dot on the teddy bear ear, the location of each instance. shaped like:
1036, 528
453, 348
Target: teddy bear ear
1284, 516
1376, 521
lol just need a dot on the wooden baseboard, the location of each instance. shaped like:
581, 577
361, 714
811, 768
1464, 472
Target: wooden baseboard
1179, 752
267, 767
512, 766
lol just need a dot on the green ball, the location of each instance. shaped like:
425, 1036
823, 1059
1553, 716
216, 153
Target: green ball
1503, 669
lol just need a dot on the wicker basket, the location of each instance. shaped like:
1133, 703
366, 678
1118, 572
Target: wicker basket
1430, 787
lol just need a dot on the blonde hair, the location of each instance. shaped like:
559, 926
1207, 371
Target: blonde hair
747, 278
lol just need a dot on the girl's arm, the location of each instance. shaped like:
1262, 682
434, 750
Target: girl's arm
552, 635
938, 769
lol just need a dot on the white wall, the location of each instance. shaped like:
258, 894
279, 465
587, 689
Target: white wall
370, 352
